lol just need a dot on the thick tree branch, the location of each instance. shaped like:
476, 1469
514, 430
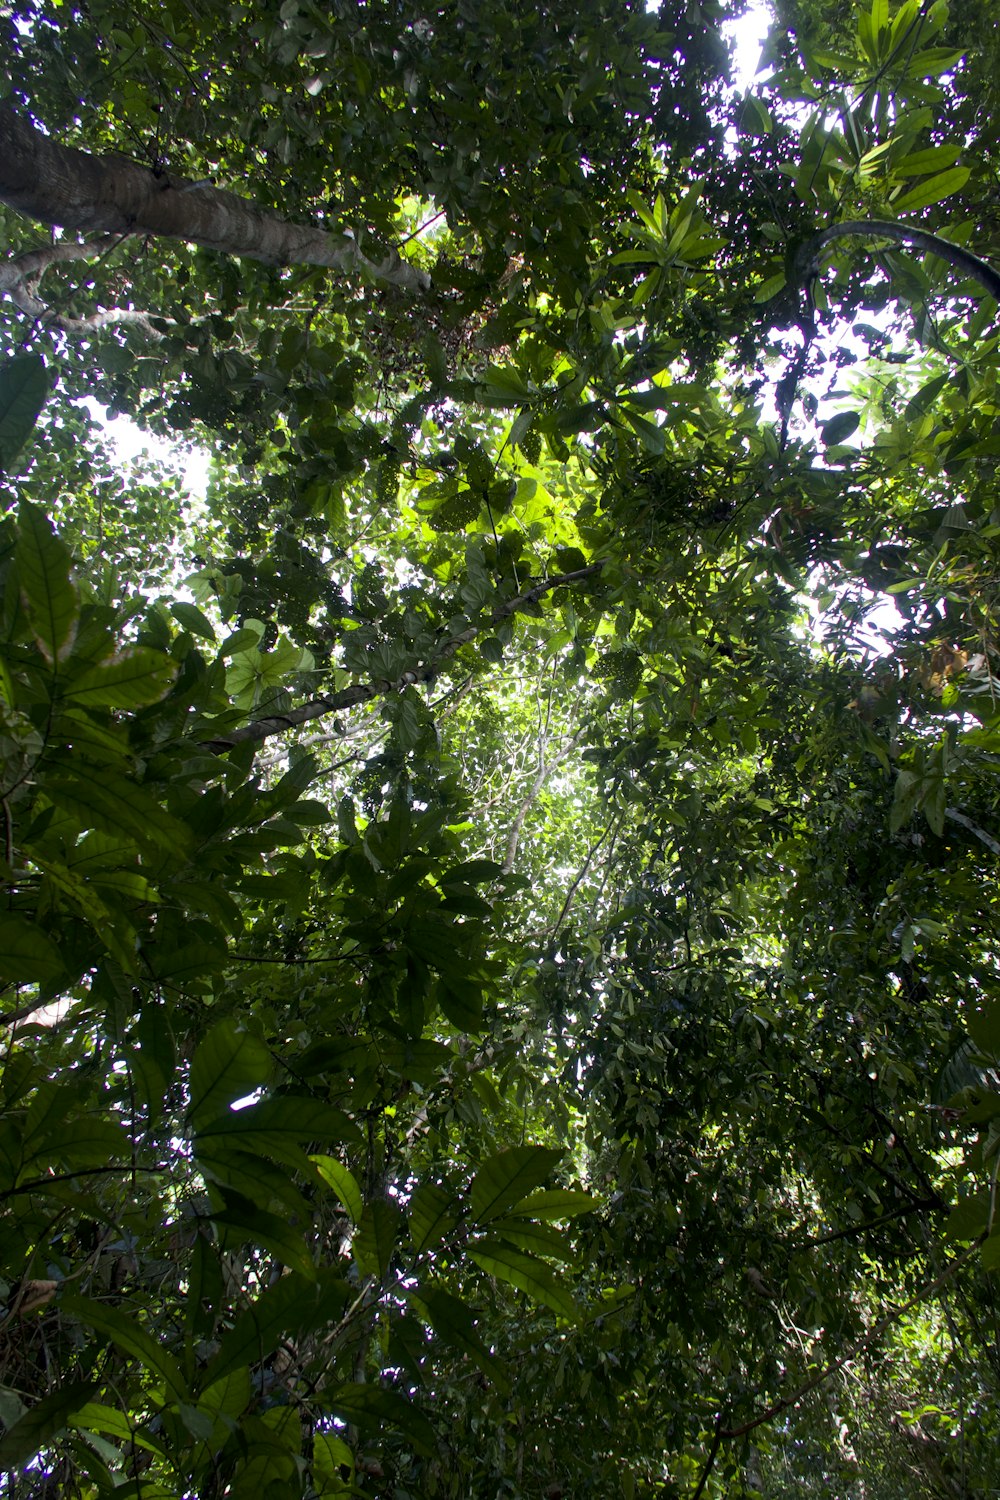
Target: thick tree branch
365, 692
807, 258
113, 195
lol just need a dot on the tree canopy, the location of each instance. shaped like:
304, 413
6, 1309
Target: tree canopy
498, 901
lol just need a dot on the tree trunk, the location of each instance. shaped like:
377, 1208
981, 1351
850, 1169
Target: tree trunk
59, 185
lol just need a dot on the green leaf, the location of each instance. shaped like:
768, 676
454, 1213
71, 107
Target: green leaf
555, 1203
934, 190
245, 1222
455, 1323
343, 1183
840, 427
228, 1065
294, 1305
99, 798
131, 1336
27, 956
504, 1179
375, 1241
133, 678
433, 1214
921, 162
537, 1239
461, 1002
50, 597
43, 1422
24, 389
371, 1407
282, 1117
192, 619
528, 1275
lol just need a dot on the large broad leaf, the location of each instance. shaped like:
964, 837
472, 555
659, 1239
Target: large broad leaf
376, 1238
455, 1323
26, 955
372, 1407
555, 1203
24, 387
294, 1305
284, 1117
228, 1065
50, 596
531, 1276
130, 1335
505, 1179
933, 190
433, 1213
98, 798
343, 1183
244, 1222
43, 1423
134, 677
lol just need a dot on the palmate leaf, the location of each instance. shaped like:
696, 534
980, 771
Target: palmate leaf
50, 595
24, 387
504, 1179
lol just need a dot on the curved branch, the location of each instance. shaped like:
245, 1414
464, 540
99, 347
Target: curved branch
113, 195
807, 257
20, 275
365, 692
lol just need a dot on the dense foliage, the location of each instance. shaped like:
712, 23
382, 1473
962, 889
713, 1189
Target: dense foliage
499, 921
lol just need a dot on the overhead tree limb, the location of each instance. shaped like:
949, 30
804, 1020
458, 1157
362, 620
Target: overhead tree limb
365, 692
807, 257
59, 185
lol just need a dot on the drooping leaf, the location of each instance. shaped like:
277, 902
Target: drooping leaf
43, 1422
24, 389
50, 596
293, 1305
433, 1214
343, 1183
455, 1323
371, 1406
131, 1336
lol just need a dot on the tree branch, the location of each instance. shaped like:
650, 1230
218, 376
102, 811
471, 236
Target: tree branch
541, 777
807, 258
112, 195
870, 1338
365, 692
19, 278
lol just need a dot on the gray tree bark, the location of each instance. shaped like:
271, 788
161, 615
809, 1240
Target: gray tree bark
111, 195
